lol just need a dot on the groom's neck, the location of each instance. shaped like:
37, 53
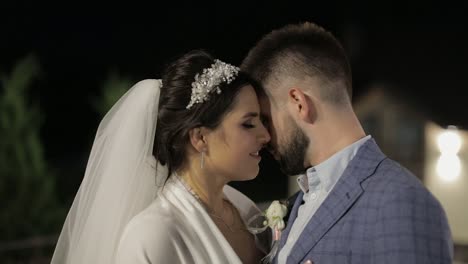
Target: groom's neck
333, 135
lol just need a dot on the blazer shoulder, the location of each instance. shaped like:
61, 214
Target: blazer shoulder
392, 181
393, 175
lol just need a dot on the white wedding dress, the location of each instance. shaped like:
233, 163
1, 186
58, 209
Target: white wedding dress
176, 228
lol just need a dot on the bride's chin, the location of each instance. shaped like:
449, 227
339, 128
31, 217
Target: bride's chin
251, 176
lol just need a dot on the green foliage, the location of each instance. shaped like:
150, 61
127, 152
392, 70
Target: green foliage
27, 185
113, 88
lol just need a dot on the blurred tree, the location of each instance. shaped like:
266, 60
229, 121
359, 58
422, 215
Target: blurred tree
27, 184
112, 89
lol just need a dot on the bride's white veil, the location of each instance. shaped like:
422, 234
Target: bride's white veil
122, 178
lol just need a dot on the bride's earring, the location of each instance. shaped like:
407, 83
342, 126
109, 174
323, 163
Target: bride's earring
202, 159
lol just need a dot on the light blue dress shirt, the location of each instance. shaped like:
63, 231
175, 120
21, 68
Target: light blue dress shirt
316, 185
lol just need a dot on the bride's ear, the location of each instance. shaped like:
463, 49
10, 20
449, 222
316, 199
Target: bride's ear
198, 138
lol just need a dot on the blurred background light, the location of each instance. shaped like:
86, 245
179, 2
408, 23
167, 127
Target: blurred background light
449, 141
448, 167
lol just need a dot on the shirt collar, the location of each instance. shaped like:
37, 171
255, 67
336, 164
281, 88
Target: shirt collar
326, 174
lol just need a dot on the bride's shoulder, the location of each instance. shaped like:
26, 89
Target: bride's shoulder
150, 235
153, 234
156, 220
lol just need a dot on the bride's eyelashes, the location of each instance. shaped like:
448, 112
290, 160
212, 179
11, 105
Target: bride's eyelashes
262, 121
249, 123
248, 126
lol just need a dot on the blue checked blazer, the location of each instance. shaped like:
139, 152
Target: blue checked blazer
378, 212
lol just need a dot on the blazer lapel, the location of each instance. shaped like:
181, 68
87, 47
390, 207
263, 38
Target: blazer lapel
292, 217
346, 191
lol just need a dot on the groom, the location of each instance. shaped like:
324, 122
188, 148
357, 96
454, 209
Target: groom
355, 205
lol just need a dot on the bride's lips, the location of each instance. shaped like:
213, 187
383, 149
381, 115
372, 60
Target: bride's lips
256, 155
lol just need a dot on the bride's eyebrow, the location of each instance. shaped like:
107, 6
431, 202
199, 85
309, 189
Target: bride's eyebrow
250, 114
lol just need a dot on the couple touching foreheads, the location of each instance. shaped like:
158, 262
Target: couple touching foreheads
156, 184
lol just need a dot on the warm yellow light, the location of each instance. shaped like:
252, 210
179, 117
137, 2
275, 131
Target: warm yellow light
449, 141
448, 167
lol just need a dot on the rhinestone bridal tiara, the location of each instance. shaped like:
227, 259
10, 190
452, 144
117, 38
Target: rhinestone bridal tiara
209, 81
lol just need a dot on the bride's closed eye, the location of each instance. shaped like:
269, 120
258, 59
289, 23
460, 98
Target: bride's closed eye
250, 123
248, 126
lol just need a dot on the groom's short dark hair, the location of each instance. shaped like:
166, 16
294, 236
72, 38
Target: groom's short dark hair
302, 50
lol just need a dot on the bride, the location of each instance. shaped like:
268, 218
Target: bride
155, 188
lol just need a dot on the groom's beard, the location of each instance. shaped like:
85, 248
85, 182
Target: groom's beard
292, 155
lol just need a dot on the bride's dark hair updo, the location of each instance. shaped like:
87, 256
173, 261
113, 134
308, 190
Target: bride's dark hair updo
175, 120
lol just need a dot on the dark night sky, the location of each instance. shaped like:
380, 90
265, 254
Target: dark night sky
421, 51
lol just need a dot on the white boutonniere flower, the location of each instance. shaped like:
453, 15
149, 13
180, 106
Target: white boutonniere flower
275, 214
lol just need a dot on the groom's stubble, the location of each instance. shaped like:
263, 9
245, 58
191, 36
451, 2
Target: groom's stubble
292, 151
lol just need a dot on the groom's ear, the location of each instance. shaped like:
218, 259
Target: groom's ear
302, 105
198, 138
